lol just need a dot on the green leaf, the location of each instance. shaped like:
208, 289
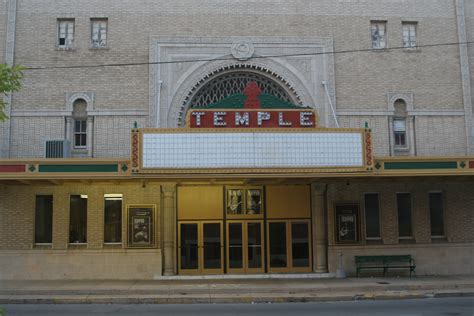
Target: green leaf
10, 81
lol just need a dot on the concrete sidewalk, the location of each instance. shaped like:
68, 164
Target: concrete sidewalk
232, 290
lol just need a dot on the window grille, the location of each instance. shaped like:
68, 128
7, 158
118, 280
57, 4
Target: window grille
233, 83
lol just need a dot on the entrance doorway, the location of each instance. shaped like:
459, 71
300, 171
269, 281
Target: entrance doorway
245, 247
289, 248
200, 248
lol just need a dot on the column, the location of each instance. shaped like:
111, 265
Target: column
169, 224
319, 228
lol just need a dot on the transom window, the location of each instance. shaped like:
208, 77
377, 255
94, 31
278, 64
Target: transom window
233, 83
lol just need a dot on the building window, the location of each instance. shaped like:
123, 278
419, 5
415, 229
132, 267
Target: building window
400, 124
99, 32
65, 33
436, 214
372, 217
409, 35
78, 219
44, 219
113, 218
400, 132
404, 215
379, 35
79, 116
80, 133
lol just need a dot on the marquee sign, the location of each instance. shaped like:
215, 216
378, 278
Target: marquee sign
252, 119
251, 139
252, 115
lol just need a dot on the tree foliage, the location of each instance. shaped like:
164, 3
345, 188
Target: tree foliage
10, 81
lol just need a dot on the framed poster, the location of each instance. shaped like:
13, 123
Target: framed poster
234, 201
141, 226
254, 201
347, 223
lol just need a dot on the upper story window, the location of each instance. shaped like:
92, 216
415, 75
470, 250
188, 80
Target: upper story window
99, 32
79, 115
400, 124
409, 34
65, 33
379, 34
400, 132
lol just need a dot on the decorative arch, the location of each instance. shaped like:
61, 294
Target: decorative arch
205, 74
73, 97
405, 96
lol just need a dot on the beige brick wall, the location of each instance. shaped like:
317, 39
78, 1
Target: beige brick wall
435, 259
438, 136
3, 29
379, 126
454, 255
109, 264
112, 135
28, 134
18, 211
67, 261
362, 79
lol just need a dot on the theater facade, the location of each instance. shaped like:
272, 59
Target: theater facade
167, 138
240, 189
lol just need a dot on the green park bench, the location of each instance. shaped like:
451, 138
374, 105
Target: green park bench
385, 263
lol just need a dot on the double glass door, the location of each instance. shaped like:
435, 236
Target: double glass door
200, 248
245, 246
289, 246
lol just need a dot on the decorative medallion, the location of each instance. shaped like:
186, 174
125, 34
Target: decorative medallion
242, 50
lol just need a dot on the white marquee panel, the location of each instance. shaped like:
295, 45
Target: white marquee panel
252, 150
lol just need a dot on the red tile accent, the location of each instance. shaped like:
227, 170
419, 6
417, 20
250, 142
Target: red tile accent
12, 168
471, 164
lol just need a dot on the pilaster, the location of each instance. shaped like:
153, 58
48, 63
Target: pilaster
319, 228
169, 224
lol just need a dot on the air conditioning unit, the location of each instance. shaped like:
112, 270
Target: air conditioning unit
57, 149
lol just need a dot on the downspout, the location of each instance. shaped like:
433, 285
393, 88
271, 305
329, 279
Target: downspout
465, 76
325, 85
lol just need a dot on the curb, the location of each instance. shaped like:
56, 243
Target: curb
224, 299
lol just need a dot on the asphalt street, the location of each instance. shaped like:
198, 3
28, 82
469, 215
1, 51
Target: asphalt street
433, 307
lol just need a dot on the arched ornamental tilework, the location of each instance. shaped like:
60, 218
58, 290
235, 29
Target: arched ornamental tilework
231, 80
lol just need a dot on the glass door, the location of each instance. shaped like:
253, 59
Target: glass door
200, 248
188, 248
289, 248
211, 247
245, 247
